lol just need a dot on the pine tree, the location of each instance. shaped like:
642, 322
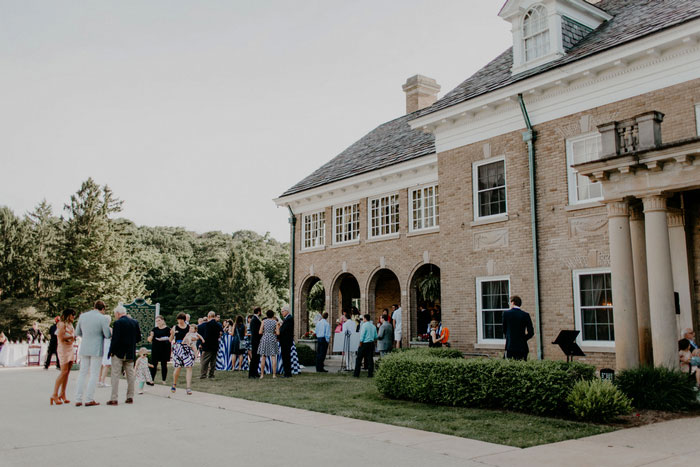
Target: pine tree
16, 258
46, 237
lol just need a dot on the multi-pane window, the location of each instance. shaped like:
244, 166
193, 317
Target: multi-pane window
490, 188
384, 215
582, 149
492, 300
314, 234
425, 210
346, 223
535, 33
594, 305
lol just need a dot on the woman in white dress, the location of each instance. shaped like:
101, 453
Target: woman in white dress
106, 361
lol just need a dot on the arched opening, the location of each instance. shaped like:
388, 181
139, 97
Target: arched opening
384, 291
345, 295
312, 300
425, 299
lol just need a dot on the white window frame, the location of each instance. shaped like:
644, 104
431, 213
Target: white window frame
697, 119
335, 219
571, 173
479, 314
546, 32
475, 187
318, 241
436, 208
369, 216
578, 318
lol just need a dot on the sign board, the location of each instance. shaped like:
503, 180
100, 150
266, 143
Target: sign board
353, 341
607, 374
145, 314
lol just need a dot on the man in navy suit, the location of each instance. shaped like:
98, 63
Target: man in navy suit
126, 334
517, 329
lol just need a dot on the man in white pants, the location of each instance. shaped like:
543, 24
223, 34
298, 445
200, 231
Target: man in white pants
396, 318
93, 327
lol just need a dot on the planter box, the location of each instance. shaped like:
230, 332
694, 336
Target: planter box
418, 343
308, 342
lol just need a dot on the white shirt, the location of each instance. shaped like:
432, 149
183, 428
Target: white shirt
396, 316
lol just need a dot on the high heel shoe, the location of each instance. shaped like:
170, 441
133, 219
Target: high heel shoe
55, 400
64, 400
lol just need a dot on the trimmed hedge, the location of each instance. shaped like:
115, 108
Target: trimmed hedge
597, 401
657, 388
306, 355
537, 387
440, 352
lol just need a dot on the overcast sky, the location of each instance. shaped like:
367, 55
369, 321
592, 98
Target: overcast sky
199, 113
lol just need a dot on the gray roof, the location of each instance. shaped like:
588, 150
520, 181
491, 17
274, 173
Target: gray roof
388, 144
395, 141
632, 19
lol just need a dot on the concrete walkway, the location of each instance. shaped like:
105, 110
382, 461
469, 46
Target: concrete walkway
205, 429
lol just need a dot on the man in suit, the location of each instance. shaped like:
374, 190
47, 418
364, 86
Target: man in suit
126, 334
212, 333
255, 337
323, 337
689, 334
93, 327
286, 340
53, 346
385, 335
517, 329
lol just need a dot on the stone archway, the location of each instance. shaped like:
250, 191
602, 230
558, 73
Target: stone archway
419, 321
311, 300
384, 290
344, 295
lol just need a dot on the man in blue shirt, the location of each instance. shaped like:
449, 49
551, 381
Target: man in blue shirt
368, 335
323, 337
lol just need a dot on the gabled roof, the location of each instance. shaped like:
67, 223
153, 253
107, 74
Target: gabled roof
394, 142
632, 19
388, 144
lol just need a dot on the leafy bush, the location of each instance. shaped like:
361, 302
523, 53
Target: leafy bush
439, 352
538, 387
657, 388
597, 401
306, 355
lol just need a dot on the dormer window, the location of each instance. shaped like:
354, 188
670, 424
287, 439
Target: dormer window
535, 33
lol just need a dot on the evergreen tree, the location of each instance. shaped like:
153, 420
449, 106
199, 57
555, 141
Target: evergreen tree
16, 256
46, 236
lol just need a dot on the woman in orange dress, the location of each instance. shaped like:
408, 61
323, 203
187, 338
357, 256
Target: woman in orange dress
66, 355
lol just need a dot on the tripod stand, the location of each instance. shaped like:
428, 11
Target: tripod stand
347, 357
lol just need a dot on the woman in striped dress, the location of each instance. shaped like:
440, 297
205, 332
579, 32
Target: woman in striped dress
183, 355
269, 329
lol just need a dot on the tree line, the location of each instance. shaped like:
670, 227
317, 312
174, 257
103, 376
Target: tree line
49, 262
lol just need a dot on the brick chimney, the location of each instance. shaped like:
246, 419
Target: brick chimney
421, 92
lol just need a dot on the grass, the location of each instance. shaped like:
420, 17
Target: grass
341, 394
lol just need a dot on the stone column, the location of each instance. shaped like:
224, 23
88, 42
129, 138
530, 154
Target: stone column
641, 284
624, 299
681, 270
661, 301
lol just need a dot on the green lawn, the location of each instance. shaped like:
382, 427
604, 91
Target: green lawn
341, 394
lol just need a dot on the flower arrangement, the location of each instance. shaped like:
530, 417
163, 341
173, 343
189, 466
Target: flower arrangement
309, 335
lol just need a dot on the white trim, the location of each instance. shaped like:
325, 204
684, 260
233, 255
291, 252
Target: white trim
436, 207
479, 317
421, 170
607, 77
571, 173
334, 242
369, 216
322, 242
575, 274
697, 119
475, 188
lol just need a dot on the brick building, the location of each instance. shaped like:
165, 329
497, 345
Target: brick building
564, 171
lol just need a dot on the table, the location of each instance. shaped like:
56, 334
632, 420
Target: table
15, 355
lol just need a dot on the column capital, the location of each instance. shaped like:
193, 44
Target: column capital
675, 218
653, 203
637, 212
618, 209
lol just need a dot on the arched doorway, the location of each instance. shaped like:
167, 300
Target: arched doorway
383, 292
345, 295
312, 300
424, 299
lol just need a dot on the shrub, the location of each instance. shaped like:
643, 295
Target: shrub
538, 387
440, 352
657, 388
306, 355
597, 401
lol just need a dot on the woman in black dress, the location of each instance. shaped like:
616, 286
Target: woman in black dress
238, 343
160, 352
434, 335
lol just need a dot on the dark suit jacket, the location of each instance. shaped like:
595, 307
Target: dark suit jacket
212, 333
255, 333
517, 329
287, 330
125, 335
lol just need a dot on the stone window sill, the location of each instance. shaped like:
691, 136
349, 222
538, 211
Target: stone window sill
383, 238
340, 245
490, 346
597, 349
311, 250
423, 232
577, 207
490, 220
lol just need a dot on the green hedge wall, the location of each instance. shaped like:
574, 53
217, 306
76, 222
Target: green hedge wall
537, 387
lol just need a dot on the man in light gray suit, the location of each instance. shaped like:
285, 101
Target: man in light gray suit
385, 335
93, 327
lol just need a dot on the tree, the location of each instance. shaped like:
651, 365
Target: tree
16, 256
46, 235
94, 252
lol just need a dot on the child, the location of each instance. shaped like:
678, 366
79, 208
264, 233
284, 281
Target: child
192, 337
141, 369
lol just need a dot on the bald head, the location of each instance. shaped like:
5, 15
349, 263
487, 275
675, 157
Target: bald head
119, 311
211, 314
688, 333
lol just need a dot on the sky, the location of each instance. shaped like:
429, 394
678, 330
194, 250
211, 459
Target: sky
199, 113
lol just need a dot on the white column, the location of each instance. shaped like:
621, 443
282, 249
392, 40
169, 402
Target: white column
681, 270
661, 302
641, 284
624, 299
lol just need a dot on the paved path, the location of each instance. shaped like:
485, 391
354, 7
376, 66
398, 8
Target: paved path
205, 429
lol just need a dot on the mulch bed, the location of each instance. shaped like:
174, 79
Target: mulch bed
647, 417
